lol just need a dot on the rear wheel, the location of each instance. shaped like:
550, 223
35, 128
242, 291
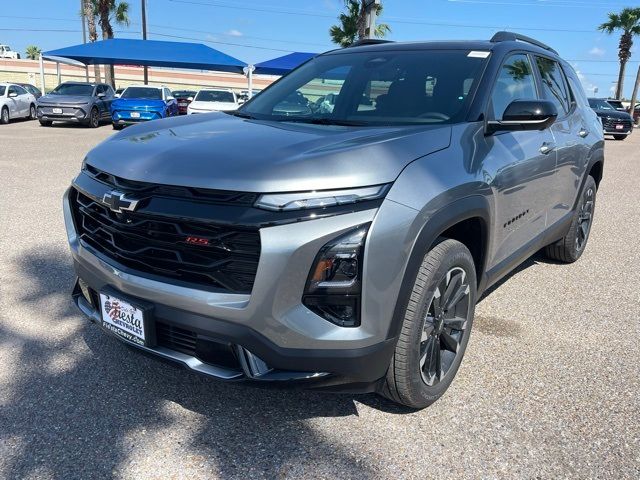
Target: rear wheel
619, 137
4, 116
436, 327
32, 112
569, 248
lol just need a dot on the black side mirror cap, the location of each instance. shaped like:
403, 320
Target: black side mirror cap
525, 115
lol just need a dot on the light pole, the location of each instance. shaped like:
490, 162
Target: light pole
144, 36
84, 36
371, 9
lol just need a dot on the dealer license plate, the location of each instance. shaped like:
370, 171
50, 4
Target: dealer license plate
122, 318
135, 115
57, 110
619, 127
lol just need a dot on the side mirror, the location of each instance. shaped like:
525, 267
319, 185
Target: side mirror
171, 98
190, 99
524, 115
101, 95
116, 95
13, 95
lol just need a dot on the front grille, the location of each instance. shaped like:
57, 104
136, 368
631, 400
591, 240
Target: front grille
610, 123
188, 342
150, 189
157, 245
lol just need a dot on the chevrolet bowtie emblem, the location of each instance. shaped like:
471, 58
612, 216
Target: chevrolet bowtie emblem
118, 202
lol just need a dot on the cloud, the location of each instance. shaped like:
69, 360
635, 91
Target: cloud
597, 52
586, 83
234, 33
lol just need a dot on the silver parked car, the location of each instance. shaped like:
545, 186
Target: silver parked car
344, 248
76, 102
16, 102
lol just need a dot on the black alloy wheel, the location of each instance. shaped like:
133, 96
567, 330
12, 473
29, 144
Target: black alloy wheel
94, 119
445, 323
585, 217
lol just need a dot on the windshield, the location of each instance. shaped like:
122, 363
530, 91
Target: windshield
214, 96
598, 104
183, 93
73, 89
374, 88
147, 93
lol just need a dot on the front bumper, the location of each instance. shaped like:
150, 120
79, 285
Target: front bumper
270, 326
69, 114
124, 117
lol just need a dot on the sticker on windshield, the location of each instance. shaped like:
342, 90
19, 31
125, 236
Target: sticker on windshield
478, 54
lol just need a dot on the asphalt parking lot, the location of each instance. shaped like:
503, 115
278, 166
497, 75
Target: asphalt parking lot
549, 386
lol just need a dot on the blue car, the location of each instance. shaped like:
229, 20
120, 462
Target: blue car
140, 103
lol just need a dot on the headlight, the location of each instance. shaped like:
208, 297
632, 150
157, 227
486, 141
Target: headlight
335, 281
319, 199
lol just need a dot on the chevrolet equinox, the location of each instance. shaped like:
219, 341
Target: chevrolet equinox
339, 244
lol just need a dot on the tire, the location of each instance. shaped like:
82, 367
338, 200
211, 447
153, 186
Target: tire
45, 123
117, 127
32, 112
4, 116
94, 118
619, 137
410, 380
569, 248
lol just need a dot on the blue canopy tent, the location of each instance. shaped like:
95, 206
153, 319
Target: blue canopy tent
284, 64
148, 53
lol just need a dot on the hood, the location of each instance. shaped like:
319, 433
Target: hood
220, 151
64, 99
613, 114
137, 104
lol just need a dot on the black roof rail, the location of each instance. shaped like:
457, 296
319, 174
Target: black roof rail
369, 41
512, 37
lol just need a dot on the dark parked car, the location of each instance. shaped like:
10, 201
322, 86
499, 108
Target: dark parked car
76, 102
341, 249
184, 98
33, 90
616, 123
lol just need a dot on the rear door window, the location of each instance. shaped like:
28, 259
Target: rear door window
515, 82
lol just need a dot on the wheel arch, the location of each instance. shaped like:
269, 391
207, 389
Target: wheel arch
466, 220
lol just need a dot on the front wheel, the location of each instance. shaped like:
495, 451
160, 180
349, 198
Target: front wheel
117, 127
94, 118
4, 116
32, 112
45, 123
436, 327
569, 248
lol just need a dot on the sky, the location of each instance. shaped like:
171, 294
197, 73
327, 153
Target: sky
256, 30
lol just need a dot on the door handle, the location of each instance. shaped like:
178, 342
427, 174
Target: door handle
583, 132
547, 148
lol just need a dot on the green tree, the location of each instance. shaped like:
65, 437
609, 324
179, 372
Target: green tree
353, 24
628, 20
33, 52
108, 11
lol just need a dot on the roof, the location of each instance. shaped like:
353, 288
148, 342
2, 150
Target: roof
284, 64
150, 53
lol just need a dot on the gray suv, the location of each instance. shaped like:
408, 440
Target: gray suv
340, 248
76, 102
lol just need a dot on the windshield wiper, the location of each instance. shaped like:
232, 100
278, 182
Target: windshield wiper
327, 121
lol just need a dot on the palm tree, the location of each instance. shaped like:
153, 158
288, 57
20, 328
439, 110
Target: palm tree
90, 13
353, 24
33, 52
628, 20
108, 10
